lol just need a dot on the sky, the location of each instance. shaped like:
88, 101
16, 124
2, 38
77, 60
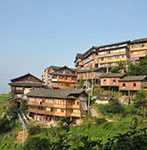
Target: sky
35, 34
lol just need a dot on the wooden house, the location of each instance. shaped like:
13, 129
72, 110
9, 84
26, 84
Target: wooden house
60, 77
129, 85
53, 104
110, 81
20, 86
138, 49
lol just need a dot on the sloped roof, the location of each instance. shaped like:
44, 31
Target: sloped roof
55, 93
19, 84
26, 75
118, 43
132, 78
112, 75
139, 40
60, 67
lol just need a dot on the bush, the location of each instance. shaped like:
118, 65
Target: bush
37, 143
34, 130
114, 106
100, 121
11, 112
4, 126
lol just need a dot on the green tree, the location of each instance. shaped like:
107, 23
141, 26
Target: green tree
121, 67
140, 101
139, 68
80, 85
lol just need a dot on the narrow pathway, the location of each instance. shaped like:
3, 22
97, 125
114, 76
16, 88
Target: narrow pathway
94, 113
22, 136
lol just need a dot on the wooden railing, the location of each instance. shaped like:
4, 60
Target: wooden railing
111, 54
138, 49
113, 60
54, 105
45, 112
54, 113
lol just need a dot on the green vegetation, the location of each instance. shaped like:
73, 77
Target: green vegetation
9, 125
119, 68
4, 103
123, 128
139, 68
140, 103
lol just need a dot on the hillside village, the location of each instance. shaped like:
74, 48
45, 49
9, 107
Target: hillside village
112, 77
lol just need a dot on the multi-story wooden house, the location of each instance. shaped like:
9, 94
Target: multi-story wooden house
129, 85
22, 85
60, 77
86, 67
110, 55
100, 59
110, 81
53, 104
138, 49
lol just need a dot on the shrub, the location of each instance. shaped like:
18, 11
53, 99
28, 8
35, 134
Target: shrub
37, 143
114, 106
4, 126
34, 130
100, 121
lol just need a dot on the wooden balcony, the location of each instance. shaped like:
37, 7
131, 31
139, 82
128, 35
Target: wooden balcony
63, 106
112, 60
112, 54
139, 54
47, 105
66, 80
44, 112
138, 48
73, 106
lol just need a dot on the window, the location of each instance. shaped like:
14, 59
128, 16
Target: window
96, 65
134, 84
114, 81
104, 81
124, 84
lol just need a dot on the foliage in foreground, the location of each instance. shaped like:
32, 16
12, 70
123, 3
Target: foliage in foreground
130, 140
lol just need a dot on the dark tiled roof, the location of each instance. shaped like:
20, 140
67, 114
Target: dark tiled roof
139, 40
55, 93
23, 84
112, 75
132, 78
113, 44
144, 84
65, 67
15, 79
79, 55
89, 51
60, 67
104, 97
